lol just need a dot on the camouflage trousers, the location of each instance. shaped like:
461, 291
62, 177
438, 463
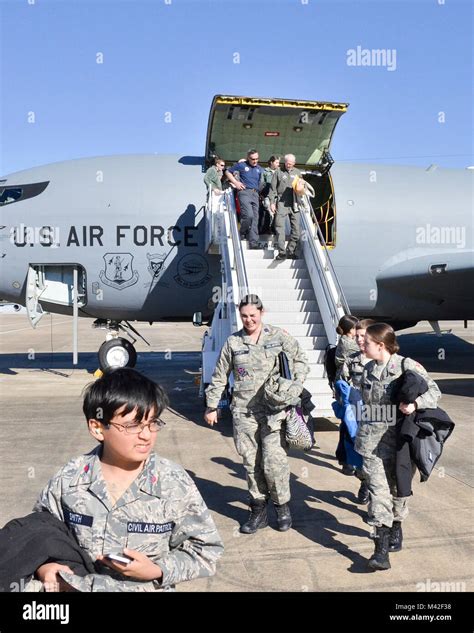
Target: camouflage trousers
376, 442
260, 441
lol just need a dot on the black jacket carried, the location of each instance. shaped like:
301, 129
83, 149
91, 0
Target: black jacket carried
38, 538
420, 435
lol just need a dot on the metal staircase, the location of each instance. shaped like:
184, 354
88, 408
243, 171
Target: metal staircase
302, 296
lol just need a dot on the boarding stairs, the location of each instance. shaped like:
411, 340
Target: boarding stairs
302, 296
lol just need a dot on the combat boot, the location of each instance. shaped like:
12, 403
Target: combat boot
380, 559
283, 517
363, 495
396, 537
258, 517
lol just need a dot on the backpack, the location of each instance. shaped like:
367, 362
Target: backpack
330, 364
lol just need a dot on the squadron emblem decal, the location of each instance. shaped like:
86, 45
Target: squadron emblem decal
155, 264
193, 271
118, 273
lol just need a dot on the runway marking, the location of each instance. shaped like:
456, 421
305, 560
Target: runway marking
37, 328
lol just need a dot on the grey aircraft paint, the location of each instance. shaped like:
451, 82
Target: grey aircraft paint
135, 224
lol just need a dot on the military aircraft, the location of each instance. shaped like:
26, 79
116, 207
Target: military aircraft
128, 232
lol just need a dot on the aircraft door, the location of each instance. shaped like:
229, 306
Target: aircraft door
53, 283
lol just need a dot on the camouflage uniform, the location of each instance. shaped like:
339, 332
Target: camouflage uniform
345, 347
259, 438
161, 514
352, 368
281, 192
376, 440
351, 371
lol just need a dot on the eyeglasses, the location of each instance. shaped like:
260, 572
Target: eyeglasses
134, 429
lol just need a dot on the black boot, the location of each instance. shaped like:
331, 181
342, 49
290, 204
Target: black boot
396, 537
283, 517
380, 559
348, 470
258, 517
363, 495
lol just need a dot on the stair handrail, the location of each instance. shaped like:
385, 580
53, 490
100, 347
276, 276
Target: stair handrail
336, 304
322, 241
237, 246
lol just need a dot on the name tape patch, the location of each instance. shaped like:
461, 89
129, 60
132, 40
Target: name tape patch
240, 352
149, 528
75, 518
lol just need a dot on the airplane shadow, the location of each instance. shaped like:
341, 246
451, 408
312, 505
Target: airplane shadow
47, 361
456, 387
427, 348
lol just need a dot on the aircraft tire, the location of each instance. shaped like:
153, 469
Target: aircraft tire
117, 352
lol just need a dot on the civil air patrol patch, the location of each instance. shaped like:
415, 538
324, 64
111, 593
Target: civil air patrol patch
149, 528
243, 373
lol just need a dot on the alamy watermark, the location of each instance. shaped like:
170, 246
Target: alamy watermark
431, 585
385, 57
375, 412
430, 234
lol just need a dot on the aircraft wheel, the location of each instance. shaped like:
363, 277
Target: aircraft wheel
117, 352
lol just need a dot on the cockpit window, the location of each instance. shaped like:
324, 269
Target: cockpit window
11, 194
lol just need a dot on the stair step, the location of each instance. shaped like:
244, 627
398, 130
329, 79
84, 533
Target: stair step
301, 329
283, 305
268, 294
274, 276
314, 343
288, 318
316, 370
314, 356
273, 264
318, 386
282, 283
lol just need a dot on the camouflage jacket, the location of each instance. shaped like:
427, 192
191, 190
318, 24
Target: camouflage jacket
251, 364
377, 382
212, 178
345, 346
376, 433
281, 188
352, 368
161, 514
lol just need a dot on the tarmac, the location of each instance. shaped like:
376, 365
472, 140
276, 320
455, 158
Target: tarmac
328, 547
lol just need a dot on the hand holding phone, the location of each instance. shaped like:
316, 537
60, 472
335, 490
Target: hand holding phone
119, 558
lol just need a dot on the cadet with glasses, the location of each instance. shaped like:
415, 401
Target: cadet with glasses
125, 503
251, 354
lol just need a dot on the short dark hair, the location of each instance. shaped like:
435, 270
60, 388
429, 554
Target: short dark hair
252, 300
123, 387
384, 333
217, 159
272, 159
346, 323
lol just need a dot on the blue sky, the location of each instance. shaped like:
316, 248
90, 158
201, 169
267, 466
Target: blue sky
173, 55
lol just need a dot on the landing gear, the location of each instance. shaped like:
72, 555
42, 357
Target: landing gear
118, 352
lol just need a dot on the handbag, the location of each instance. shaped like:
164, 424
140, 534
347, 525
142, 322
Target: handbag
297, 433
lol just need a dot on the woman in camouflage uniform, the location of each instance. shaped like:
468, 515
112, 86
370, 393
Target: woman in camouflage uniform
250, 354
351, 371
376, 435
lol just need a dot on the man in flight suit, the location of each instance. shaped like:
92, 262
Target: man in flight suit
282, 203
